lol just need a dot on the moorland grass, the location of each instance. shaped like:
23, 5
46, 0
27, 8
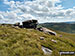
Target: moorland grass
26, 42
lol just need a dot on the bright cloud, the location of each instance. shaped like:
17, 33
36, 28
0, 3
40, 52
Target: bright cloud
42, 10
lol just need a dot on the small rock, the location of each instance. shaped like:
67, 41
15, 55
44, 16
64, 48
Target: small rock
54, 41
46, 50
41, 38
60, 36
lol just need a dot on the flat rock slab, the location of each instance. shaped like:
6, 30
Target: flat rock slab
47, 51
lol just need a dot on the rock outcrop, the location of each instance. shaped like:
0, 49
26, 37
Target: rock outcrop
30, 24
45, 30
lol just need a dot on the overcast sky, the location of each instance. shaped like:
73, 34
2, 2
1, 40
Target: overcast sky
12, 11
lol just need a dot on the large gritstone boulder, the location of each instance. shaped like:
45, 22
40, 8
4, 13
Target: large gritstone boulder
45, 30
30, 24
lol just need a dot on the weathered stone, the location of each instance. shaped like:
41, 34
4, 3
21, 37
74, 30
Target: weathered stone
41, 38
60, 36
54, 41
45, 30
47, 51
21, 26
30, 24
40, 29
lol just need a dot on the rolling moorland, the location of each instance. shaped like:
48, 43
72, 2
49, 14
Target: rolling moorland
68, 27
26, 42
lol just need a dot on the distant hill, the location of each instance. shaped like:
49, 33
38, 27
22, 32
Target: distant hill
65, 27
73, 22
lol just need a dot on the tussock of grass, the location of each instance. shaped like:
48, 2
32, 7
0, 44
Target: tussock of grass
26, 42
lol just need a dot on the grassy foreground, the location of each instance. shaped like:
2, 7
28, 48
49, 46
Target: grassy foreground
26, 42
